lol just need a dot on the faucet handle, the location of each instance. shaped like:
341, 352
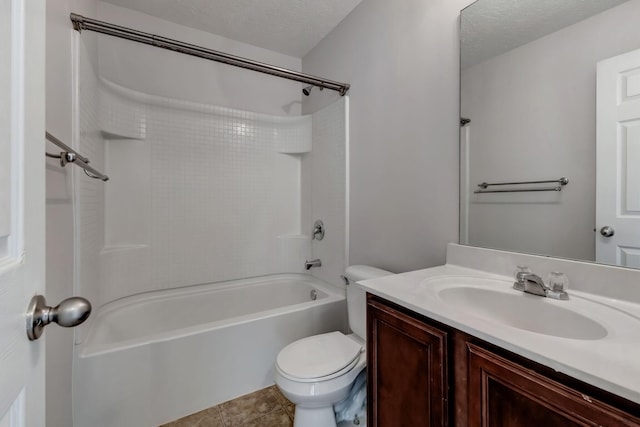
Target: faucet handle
558, 285
521, 271
558, 282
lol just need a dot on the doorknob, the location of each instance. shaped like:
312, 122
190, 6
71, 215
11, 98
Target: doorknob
70, 312
607, 231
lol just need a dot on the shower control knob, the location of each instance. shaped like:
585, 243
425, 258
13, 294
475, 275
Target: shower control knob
607, 231
70, 312
318, 230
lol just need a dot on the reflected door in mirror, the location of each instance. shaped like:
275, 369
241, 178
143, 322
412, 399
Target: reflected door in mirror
618, 161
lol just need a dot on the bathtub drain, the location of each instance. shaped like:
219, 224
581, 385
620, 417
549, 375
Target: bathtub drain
313, 294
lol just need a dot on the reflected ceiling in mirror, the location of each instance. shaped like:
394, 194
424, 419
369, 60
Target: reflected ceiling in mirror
552, 91
492, 27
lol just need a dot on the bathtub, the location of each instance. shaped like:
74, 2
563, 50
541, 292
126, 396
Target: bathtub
153, 358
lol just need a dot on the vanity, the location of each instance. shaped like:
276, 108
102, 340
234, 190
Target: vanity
456, 345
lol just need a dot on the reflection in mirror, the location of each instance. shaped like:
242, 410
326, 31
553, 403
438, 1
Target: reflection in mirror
552, 90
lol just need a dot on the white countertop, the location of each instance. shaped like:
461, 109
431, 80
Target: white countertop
611, 363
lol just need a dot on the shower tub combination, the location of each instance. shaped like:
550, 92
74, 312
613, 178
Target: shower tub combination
155, 357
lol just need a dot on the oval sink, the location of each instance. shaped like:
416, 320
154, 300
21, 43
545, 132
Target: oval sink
493, 300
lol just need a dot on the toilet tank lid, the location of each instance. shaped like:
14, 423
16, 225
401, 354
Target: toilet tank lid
364, 272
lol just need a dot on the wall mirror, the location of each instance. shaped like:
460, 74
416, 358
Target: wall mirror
551, 90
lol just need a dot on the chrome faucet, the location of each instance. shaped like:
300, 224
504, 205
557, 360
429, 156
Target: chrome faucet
533, 284
312, 263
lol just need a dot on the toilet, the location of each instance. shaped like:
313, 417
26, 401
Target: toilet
317, 372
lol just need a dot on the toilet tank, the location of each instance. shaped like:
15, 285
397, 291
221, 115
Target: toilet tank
357, 297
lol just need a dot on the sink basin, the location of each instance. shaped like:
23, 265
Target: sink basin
495, 301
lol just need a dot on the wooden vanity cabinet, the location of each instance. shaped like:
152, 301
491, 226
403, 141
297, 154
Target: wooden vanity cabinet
502, 392
406, 369
423, 373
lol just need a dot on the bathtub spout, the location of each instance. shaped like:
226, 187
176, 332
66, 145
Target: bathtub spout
312, 263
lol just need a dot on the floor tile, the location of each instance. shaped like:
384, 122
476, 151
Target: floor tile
277, 418
207, 418
247, 408
264, 408
286, 404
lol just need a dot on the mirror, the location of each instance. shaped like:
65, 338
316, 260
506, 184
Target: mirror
552, 91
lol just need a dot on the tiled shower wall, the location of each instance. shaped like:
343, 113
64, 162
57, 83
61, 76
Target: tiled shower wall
197, 193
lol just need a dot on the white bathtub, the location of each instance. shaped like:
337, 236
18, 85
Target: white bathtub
153, 358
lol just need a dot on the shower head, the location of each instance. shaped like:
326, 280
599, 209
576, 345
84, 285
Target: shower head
307, 90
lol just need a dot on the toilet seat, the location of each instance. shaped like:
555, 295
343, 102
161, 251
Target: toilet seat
319, 357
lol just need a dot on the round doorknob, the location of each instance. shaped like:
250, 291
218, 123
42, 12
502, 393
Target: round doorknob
607, 231
70, 312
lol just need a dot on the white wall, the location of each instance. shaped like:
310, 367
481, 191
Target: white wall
532, 114
324, 182
401, 59
161, 72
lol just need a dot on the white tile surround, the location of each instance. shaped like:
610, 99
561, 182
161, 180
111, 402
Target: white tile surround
218, 193
200, 193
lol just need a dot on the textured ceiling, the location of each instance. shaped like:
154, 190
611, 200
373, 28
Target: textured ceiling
292, 27
492, 27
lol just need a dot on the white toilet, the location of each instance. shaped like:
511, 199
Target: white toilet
317, 372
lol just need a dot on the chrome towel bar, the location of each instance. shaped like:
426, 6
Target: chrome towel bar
69, 155
560, 181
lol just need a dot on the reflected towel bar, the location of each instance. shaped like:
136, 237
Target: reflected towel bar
69, 155
562, 181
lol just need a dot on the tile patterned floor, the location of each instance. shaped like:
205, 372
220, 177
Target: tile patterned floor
263, 408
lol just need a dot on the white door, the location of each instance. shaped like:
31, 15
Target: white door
22, 196
618, 161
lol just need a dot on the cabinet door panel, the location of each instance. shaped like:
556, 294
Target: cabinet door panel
502, 393
406, 370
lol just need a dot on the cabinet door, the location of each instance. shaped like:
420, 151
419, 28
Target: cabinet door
406, 369
502, 393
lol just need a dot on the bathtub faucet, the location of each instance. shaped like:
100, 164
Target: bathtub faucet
312, 263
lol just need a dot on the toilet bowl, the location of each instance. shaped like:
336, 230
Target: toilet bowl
317, 372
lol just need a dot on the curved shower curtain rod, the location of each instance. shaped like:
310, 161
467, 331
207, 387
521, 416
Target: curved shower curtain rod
82, 23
